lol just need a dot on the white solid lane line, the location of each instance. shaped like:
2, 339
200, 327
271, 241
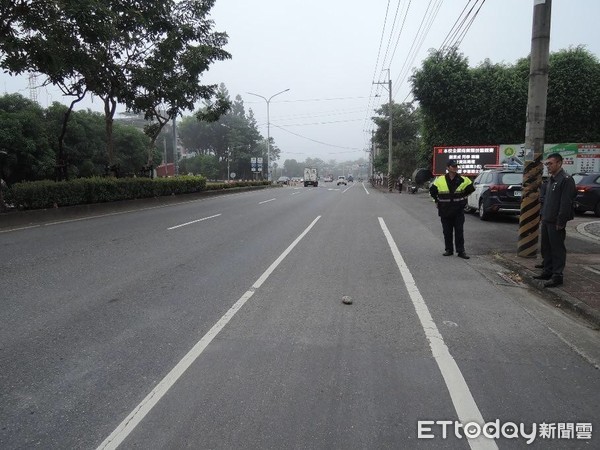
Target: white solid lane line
267, 201
146, 405
461, 396
193, 221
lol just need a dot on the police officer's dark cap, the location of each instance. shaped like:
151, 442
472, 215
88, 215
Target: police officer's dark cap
452, 162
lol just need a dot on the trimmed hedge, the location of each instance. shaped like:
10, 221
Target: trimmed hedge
49, 194
235, 184
81, 191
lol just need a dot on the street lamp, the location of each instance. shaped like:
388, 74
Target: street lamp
268, 130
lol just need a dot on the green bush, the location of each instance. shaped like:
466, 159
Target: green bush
48, 194
234, 184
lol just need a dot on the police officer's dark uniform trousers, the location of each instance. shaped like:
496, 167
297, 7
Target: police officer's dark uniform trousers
451, 197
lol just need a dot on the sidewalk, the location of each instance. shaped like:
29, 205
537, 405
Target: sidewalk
581, 289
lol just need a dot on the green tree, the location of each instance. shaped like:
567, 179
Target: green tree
206, 165
168, 82
486, 104
83, 143
293, 168
406, 124
234, 137
573, 97
24, 138
147, 55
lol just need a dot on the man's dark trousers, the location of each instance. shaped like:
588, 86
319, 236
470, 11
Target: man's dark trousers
554, 252
454, 225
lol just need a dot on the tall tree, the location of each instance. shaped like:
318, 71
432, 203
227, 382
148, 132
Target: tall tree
148, 55
486, 104
573, 97
168, 81
27, 153
406, 124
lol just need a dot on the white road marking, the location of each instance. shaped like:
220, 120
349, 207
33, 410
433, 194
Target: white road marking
267, 201
365, 188
99, 216
20, 228
193, 221
461, 396
146, 405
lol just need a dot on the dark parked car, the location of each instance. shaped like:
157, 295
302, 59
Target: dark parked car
497, 191
588, 192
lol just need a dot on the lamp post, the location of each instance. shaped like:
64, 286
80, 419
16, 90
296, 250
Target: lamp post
268, 130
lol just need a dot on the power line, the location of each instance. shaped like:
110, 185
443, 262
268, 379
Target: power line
319, 123
391, 36
456, 35
424, 28
464, 33
400, 33
377, 63
314, 140
454, 26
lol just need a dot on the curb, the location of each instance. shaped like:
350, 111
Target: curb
594, 229
556, 296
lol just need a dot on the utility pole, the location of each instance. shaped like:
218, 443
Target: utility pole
389, 177
175, 163
373, 150
529, 219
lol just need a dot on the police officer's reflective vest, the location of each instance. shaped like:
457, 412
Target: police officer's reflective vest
444, 194
451, 203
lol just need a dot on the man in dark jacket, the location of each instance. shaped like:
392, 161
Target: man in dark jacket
557, 210
450, 194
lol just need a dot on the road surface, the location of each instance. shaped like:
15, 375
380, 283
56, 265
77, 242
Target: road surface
219, 323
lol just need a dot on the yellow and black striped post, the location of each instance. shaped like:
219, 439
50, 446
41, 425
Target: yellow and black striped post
529, 220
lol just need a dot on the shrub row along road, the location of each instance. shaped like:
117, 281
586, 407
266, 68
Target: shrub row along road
219, 323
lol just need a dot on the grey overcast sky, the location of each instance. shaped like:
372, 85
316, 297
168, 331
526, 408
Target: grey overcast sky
328, 53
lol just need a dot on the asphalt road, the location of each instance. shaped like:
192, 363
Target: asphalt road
219, 323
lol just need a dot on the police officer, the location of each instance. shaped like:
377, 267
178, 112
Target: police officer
450, 193
557, 210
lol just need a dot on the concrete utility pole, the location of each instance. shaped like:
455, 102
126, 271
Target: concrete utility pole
534, 132
175, 163
389, 177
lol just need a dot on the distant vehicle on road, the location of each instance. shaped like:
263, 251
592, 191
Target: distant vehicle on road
342, 180
328, 178
283, 180
497, 191
311, 177
588, 192
350, 179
